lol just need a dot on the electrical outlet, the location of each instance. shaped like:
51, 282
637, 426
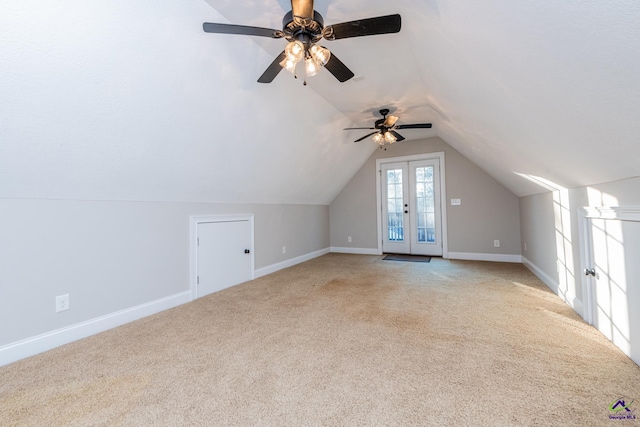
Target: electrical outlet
525, 246
284, 249
62, 303
496, 243
349, 239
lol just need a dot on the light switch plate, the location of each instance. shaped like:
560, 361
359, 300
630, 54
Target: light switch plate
456, 202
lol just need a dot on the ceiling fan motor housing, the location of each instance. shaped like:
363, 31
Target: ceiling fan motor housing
379, 124
311, 30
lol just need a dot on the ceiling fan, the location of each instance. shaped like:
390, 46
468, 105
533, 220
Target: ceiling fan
303, 28
385, 129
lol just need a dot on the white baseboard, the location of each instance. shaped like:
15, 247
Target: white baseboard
289, 263
31, 346
357, 251
572, 301
470, 256
544, 277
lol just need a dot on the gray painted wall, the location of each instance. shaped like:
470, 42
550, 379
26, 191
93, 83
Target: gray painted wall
538, 230
488, 212
110, 256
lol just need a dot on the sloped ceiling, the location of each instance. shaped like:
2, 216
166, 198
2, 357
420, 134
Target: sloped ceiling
121, 100
133, 101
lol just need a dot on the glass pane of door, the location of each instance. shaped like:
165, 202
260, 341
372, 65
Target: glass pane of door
395, 203
425, 205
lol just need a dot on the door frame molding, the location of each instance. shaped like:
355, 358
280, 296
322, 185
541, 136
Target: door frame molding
585, 215
194, 220
443, 194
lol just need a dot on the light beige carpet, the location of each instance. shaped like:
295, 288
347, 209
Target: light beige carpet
339, 340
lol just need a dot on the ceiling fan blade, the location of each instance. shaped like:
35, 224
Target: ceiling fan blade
415, 126
390, 121
397, 135
356, 128
364, 137
272, 71
338, 69
302, 8
210, 27
364, 27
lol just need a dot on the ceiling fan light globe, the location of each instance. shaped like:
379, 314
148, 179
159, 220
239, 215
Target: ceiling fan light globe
294, 51
320, 54
389, 137
311, 67
288, 65
378, 139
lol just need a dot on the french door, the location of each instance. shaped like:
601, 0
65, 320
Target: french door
411, 214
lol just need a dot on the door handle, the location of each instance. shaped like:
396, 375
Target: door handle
590, 272
406, 211
246, 251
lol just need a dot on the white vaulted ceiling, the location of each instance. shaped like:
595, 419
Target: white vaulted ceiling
133, 101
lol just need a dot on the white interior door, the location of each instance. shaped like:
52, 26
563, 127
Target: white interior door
411, 207
224, 256
613, 299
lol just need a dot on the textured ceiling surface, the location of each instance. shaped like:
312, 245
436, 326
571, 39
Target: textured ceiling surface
128, 100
